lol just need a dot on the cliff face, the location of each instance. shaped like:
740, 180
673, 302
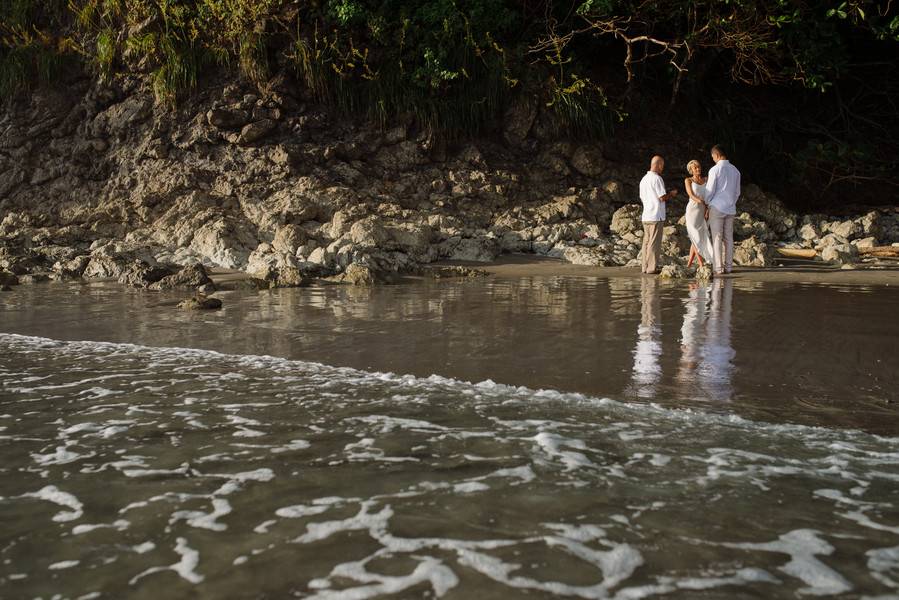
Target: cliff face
94, 179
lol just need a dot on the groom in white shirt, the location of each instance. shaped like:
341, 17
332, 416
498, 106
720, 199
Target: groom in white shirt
722, 192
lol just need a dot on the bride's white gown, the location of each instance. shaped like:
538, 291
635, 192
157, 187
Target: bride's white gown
697, 226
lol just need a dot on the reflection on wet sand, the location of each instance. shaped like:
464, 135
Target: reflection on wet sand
706, 366
733, 345
648, 350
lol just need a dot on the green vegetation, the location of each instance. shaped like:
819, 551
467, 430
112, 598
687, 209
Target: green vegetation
455, 65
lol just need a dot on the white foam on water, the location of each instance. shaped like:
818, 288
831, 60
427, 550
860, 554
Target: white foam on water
185, 568
470, 487
51, 493
118, 525
264, 526
884, 565
552, 444
246, 432
63, 564
144, 547
363, 520
298, 511
202, 520
61, 456
860, 515
429, 569
387, 424
802, 546
291, 446
486, 390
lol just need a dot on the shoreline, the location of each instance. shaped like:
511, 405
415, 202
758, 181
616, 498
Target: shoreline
513, 266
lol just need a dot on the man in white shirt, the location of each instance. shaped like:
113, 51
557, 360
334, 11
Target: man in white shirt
653, 196
722, 192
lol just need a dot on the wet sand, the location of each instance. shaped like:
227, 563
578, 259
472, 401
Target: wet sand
524, 265
799, 351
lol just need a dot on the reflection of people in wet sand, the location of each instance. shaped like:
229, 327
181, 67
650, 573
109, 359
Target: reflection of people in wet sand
706, 351
717, 367
647, 370
691, 332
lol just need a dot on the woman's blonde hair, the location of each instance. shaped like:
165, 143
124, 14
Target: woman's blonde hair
691, 163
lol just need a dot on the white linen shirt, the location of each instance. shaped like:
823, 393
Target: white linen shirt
723, 187
652, 187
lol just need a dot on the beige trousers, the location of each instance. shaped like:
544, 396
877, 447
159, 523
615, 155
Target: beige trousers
652, 245
722, 230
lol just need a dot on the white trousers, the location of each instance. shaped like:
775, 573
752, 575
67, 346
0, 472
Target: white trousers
722, 230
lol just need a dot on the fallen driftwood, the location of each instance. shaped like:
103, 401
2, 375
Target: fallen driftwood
880, 251
797, 252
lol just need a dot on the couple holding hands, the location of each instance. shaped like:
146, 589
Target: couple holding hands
710, 213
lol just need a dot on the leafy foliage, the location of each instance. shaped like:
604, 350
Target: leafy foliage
454, 65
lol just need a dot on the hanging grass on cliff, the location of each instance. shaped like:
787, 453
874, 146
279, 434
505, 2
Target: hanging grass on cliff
804, 90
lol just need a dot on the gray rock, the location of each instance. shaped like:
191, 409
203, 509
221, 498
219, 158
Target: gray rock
200, 303
141, 274
288, 238
253, 132
703, 273
356, 274
845, 229
839, 253
105, 267
7, 278
865, 243
193, 275
809, 232
753, 253
476, 250
34, 278
72, 268
224, 118
673, 272
627, 219
588, 160
369, 233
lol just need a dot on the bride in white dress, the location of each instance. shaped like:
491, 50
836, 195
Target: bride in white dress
697, 225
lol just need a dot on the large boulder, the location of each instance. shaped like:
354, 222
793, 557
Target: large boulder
475, 250
192, 276
369, 233
753, 253
105, 267
142, 274
588, 160
288, 238
767, 207
7, 278
839, 254
253, 132
224, 118
627, 219
845, 229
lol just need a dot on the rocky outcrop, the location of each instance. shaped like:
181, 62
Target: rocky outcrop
112, 185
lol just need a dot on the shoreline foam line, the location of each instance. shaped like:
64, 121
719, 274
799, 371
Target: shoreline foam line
439, 383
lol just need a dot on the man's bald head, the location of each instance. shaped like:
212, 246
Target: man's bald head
657, 165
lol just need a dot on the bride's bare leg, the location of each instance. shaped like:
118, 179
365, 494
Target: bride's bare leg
693, 253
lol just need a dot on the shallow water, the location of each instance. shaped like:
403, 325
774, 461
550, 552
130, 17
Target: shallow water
810, 354
130, 469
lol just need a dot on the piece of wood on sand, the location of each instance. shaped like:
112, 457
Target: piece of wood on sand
880, 251
797, 252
